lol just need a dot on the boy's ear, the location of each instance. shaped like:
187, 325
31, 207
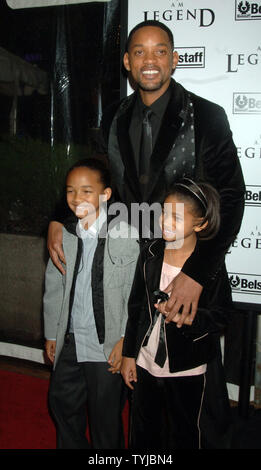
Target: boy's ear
200, 227
106, 194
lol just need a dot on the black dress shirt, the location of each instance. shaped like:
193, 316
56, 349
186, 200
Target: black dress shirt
158, 108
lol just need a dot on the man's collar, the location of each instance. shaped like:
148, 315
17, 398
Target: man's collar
158, 107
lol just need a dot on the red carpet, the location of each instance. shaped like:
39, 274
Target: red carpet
24, 419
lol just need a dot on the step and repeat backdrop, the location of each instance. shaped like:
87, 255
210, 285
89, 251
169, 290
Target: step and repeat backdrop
219, 45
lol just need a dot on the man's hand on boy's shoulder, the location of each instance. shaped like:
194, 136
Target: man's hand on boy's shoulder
55, 245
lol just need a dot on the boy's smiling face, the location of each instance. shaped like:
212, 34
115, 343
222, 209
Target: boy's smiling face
85, 191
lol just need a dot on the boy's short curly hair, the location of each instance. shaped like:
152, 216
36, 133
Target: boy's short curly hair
94, 164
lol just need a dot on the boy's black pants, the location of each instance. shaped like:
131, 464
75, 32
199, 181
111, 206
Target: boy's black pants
166, 412
75, 384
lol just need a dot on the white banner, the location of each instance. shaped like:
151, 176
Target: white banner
219, 44
16, 4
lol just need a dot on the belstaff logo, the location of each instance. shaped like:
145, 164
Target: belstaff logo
253, 196
234, 280
191, 57
247, 10
243, 7
242, 283
247, 103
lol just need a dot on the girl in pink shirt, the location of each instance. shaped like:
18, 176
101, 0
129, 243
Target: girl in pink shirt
165, 359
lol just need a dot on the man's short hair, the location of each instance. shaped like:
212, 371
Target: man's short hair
156, 23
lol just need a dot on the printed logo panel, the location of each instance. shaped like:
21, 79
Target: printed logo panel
191, 57
247, 10
246, 103
253, 195
242, 283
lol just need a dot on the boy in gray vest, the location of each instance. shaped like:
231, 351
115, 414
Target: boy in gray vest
85, 314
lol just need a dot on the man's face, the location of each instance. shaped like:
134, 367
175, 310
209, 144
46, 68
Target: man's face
150, 59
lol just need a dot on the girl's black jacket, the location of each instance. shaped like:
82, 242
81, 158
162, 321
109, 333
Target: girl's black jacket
188, 346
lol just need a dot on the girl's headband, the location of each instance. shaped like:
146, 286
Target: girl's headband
202, 199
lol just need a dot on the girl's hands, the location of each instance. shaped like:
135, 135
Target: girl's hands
115, 357
161, 307
50, 347
128, 371
184, 295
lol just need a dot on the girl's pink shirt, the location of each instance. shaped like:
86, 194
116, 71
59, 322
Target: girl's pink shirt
146, 355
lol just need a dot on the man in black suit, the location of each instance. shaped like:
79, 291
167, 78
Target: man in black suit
190, 137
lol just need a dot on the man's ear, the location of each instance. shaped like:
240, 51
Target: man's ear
200, 227
175, 60
126, 62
